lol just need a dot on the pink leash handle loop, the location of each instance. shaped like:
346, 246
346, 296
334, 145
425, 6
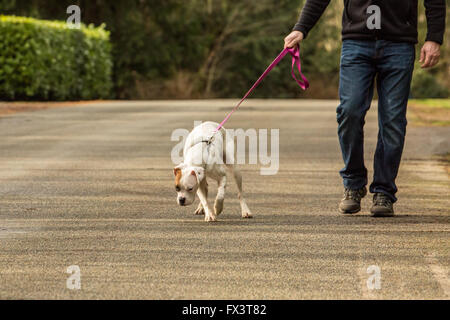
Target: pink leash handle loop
295, 53
303, 83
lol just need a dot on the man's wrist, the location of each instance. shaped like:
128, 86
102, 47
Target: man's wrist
434, 43
438, 38
302, 29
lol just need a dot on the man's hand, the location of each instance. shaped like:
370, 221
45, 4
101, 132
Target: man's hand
429, 55
293, 39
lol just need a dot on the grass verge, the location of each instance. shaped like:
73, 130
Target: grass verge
429, 112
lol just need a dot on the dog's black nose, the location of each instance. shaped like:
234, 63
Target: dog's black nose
182, 200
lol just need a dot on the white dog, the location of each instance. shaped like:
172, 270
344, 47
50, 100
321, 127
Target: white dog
201, 160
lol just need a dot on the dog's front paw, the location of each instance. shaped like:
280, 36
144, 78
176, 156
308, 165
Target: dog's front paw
210, 218
247, 215
199, 211
218, 207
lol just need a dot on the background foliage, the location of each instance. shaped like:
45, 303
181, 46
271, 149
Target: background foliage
217, 48
46, 60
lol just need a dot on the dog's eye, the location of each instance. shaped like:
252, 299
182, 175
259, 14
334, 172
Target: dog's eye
190, 189
177, 189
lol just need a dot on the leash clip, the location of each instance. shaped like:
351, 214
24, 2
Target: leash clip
210, 140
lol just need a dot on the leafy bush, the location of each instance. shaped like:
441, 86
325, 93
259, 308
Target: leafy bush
47, 60
426, 85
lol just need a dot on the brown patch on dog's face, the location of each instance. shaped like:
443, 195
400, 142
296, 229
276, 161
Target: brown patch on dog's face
177, 173
185, 186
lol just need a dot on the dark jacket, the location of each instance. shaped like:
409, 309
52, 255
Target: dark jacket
398, 19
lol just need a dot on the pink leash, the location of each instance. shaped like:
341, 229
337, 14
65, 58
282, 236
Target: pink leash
303, 83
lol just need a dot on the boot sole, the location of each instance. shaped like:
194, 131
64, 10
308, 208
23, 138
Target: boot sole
349, 211
381, 214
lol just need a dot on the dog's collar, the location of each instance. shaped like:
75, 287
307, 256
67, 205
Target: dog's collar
207, 141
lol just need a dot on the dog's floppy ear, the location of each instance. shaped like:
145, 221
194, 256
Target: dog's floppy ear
177, 169
198, 172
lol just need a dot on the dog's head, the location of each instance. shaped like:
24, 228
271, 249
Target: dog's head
187, 181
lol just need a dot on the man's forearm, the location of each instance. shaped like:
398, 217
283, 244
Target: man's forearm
311, 12
435, 12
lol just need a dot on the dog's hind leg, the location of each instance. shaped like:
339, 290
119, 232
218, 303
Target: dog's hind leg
245, 211
200, 211
218, 204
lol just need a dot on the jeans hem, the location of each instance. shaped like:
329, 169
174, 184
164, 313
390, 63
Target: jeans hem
387, 194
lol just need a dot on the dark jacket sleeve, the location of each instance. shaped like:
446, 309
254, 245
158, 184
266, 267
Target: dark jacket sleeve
435, 11
312, 11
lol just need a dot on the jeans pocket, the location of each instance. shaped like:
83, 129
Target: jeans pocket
354, 50
402, 54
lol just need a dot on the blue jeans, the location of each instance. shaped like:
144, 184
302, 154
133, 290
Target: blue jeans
392, 63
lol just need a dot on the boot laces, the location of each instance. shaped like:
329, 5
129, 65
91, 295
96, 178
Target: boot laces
352, 194
381, 199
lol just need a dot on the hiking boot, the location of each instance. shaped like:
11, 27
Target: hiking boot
382, 206
351, 203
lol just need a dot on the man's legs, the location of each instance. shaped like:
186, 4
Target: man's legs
355, 91
395, 67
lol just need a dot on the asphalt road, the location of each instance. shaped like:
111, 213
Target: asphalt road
92, 186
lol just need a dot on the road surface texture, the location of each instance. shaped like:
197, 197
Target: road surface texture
92, 186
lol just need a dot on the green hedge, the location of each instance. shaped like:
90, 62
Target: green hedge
426, 85
46, 60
